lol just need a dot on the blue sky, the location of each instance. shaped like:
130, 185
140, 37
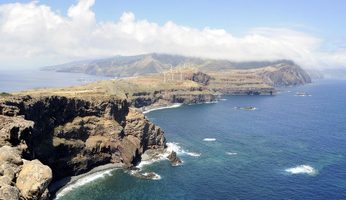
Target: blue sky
320, 17
310, 29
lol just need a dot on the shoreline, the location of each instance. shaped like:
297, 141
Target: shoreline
151, 108
67, 184
148, 109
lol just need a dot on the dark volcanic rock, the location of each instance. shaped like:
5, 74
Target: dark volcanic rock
71, 136
13, 130
199, 77
175, 160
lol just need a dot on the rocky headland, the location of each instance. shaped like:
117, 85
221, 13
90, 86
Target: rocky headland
49, 134
47, 138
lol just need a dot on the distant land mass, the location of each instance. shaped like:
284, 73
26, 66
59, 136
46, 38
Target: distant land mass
128, 66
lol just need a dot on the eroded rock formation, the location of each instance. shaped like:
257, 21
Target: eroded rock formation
68, 136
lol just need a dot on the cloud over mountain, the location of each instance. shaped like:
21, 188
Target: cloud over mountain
33, 34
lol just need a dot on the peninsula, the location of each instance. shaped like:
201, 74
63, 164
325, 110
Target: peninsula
50, 134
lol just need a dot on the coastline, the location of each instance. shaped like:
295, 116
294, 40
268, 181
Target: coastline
60, 187
65, 185
148, 109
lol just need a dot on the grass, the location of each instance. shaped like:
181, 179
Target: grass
4, 94
231, 80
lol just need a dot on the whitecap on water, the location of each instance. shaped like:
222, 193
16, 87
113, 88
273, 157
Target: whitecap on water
82, 181
193, 154
173, 146
153, 175
209, 139
145, 175
302, 169
210, 102
231, 153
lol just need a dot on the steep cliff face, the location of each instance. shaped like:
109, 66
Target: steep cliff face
162, 98
285, 75
72, 135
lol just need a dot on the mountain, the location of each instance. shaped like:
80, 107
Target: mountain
127, 66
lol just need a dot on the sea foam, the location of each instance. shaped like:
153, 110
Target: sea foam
301, 169
209, 139
231, 153
82, 181
176, 105
171, 146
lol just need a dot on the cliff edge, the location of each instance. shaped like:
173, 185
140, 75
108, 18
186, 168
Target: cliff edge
68, 136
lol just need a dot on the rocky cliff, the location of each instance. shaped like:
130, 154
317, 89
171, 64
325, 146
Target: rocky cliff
284, 75
68, 136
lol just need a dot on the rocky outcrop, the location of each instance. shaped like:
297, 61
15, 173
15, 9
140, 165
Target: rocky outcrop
285, 75
33, 180
9, 193
174, 159
14, 130
199, 77
70, 136
10, 165
22, 180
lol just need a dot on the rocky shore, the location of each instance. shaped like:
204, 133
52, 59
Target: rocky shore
47, 135
49, 138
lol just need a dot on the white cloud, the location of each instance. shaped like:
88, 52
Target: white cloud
33, 34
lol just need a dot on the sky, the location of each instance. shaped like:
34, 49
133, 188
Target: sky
38, 33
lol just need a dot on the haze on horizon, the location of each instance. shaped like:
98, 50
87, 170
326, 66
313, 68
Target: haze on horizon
39, 33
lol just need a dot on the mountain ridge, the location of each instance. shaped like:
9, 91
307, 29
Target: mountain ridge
127, 66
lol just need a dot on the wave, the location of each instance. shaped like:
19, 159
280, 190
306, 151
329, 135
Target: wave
231, 153
209, 139
176, 105
173, 146
301, 169
82, 181
222, 99
153, 175
210, 102
145, 175
193, 154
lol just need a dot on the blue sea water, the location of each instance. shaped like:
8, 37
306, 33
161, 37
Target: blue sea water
17, 80
255, 155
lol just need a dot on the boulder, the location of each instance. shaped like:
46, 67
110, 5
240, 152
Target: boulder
10, 155
175, 160
10, 162
8, 170
9, 193
4, 180
33, 179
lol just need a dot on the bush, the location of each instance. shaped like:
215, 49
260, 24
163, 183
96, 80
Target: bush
4, 94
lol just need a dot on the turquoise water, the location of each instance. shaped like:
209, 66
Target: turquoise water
254, 155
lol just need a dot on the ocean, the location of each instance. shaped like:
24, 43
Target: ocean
289, 147
17, 80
